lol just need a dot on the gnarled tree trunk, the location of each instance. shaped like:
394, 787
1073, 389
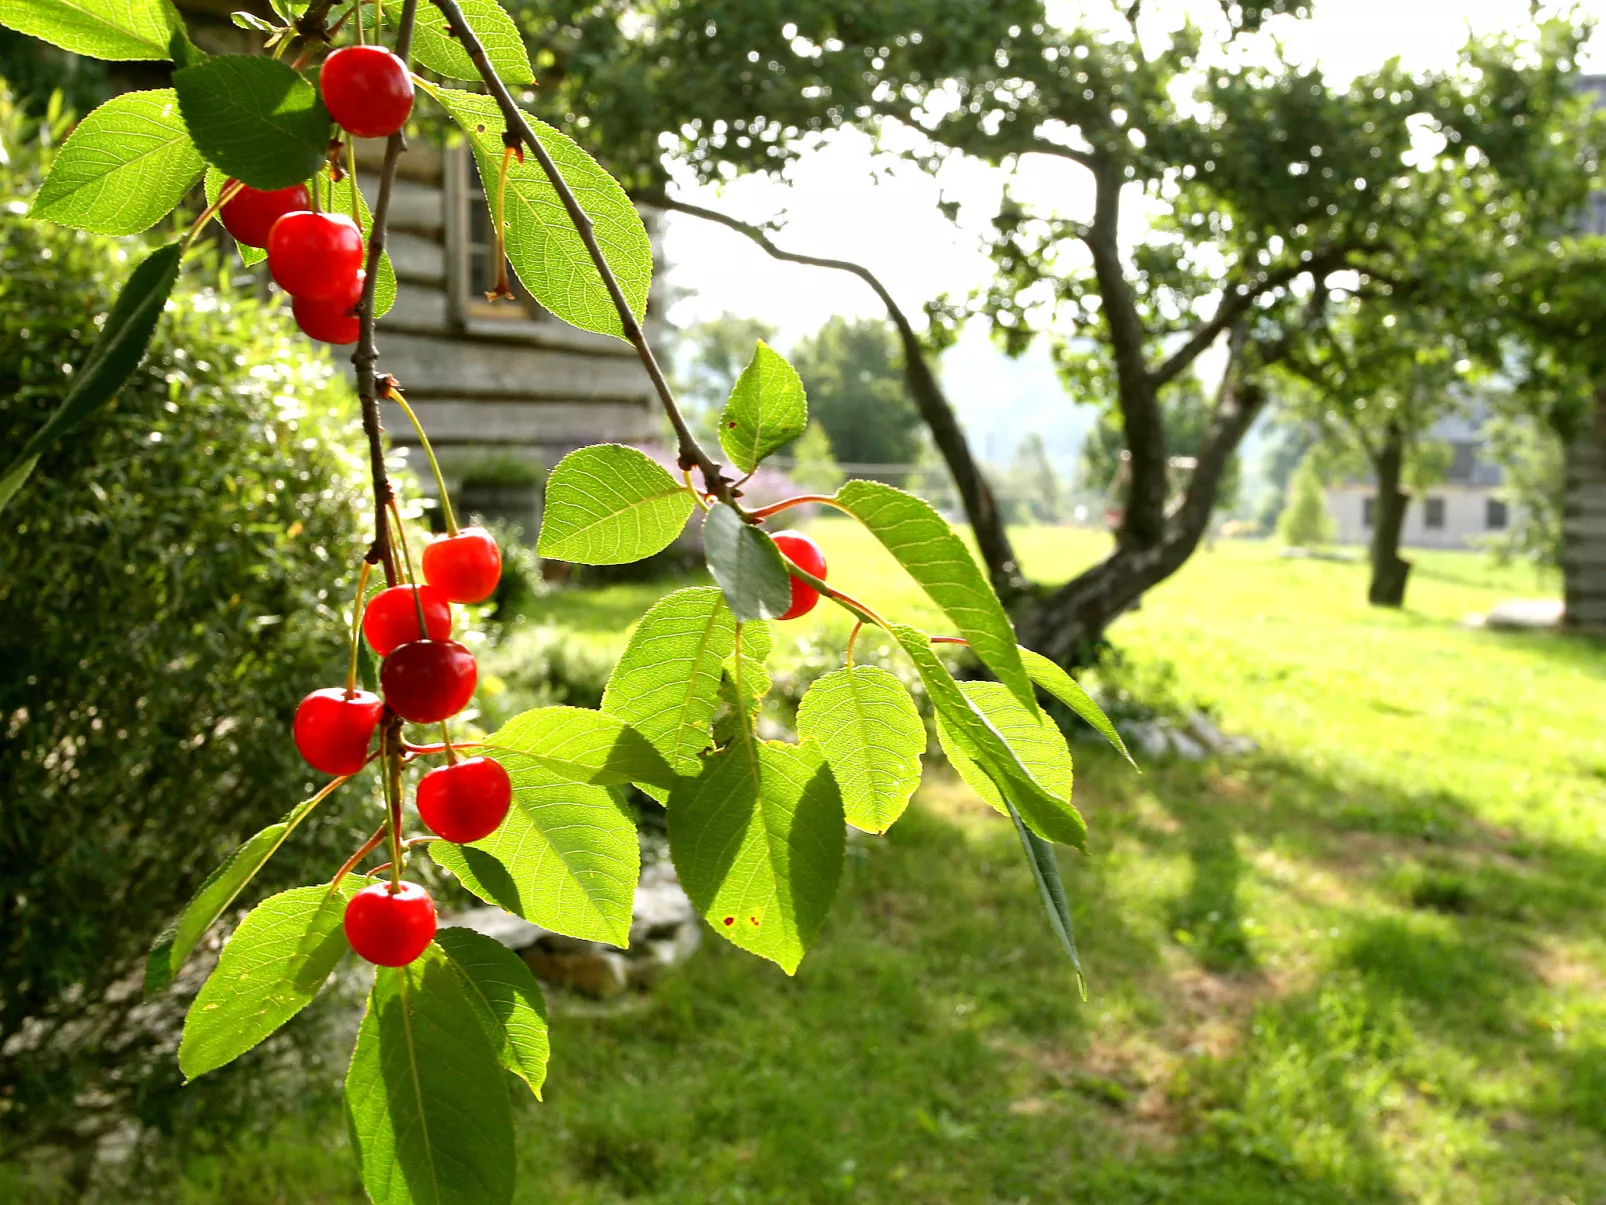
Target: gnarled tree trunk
1389, 569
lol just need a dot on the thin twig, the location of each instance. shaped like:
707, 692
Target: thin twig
691, 452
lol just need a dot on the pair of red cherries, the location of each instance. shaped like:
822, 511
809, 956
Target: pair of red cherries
315, 257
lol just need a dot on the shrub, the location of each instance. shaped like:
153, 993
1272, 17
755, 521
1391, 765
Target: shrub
1305, 522
171, 582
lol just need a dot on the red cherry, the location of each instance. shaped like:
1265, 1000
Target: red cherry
315, 255
332, 728
806, 554
467, 566
391, 618
465, 802
390, 928
332, 321
426, 681
367, 90
249, 214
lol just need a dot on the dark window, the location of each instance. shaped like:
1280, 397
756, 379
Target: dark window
1463, 462
1433, 514
1495, 517
1368, 511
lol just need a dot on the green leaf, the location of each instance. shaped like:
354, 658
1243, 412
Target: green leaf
507, 998
766, 410
757, 840
255, 119
744, 681
1038, 744
1063, 687
872, 736
271, 969
123, 169
1044, 863
666, 685
610, 505
113, 359
221, 888
937, 558
543, 246
429, 1115
565, 858
434, 46
746, 564
971, 730
581, 745
100, 29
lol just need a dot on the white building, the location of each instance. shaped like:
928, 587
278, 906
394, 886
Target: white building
1456, 513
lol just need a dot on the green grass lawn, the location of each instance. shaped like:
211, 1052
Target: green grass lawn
1365, 963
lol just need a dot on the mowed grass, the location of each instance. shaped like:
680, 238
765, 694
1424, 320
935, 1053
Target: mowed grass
1365, 963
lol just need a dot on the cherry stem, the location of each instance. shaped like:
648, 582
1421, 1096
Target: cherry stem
366, 848
446, 744
412, 750
853, 636
500, 287
392, 393
776, 508
696, 493
357, 609
407, 559
949, 640
351, 171
229, 192
394, 800
847, 601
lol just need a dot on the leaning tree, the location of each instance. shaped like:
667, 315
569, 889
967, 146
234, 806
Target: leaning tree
1266, 185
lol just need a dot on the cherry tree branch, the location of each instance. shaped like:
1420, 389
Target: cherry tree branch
367, 353
692, 454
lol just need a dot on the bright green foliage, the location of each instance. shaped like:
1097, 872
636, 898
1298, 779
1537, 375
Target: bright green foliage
757, 840
748, 567
666, 685
216, 894
100, 29
271, 969
1035, 740
435, 48
545, 249
565, 858
255, 119
123, 169
504, 993
428, 1111
609, 505
1050, 677
937, 558
766, 410
744, 682
113, 359
1305, 522
582, 745
971, 731
872, 736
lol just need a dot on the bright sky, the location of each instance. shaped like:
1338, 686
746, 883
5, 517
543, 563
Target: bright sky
889, 221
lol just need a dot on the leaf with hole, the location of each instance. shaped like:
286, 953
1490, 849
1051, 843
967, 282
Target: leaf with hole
123, 169
748, 567
757, 840
111, 361
545, 249
272, 967
426, 1105
505, 995
119, 30
1062, 686
565, 858
254, 118
970, 730
937, 558
766, 410
872, 736
222, 888
610, 505
582, 745
666, 684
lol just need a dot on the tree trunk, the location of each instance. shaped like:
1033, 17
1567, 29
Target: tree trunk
1068, 624
1389, 569
1583, 526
